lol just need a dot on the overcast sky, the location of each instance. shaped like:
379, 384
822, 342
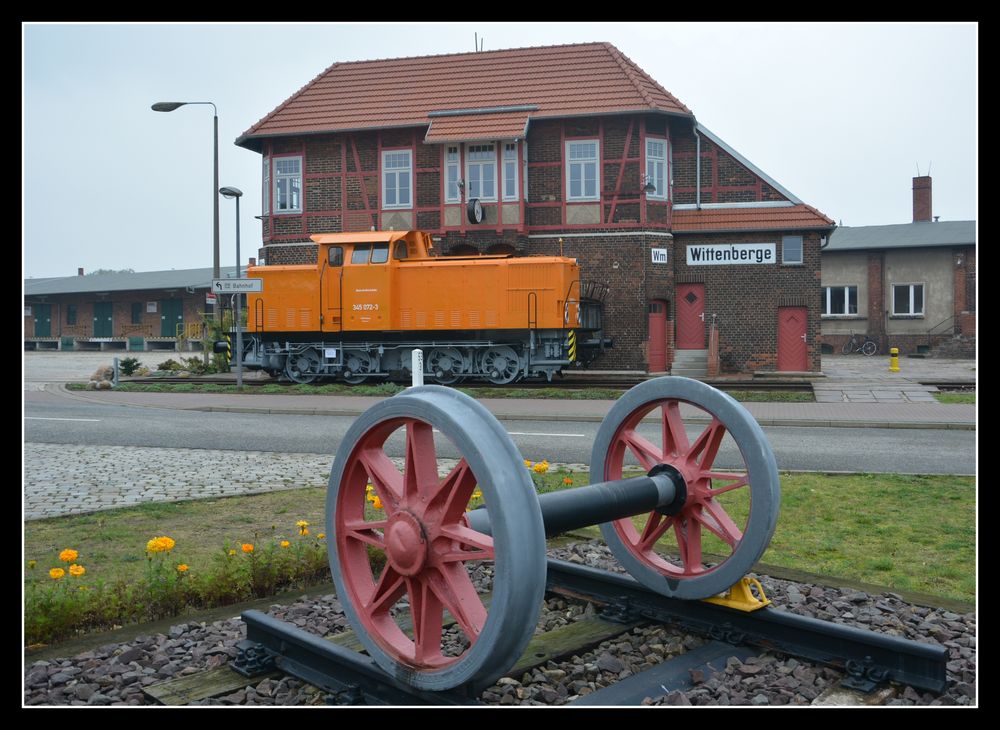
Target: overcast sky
842, 115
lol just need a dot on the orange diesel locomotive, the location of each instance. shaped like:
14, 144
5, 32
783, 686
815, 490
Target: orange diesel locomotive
372, 298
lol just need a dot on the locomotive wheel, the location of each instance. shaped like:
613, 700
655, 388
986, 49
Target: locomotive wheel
731, 513
418, 544
303, 367
501, 365
445, 364
359, 363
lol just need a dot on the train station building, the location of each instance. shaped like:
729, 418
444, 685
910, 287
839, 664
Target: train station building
703, 263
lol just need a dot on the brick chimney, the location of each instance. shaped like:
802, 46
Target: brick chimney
922, 199
79, 272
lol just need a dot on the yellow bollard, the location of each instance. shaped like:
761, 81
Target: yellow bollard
893, 359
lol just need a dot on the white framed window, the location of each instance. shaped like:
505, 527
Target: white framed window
265, 203
452, 165
908, 299
656, 167
510, 171
583, 171
791, 250
481, 171
840, 300
397, 179
288, 185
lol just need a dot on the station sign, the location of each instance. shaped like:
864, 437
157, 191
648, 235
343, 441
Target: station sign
237, 286
659, 255
732, 253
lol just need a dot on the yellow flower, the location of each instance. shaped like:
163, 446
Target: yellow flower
77, 570
160, 545
321, 535
232, 552
301, 524
285, 543
527, 463
369, 488
32, 564
68, 555
56, 573
541, 467
247, 547
377, 503
82, 588
567, 480
303, 530
477, 494
182, 568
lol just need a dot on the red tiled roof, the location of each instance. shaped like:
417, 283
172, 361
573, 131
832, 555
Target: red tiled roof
748, 219
562, 81
468, 127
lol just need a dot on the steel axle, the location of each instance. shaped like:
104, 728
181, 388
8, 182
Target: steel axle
570, 509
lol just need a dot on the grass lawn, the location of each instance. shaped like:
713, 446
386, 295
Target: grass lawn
387, 389
907, 532
956, 398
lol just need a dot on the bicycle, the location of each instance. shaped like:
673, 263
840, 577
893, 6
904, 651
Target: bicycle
866, 347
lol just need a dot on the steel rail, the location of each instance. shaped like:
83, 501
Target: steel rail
867, 657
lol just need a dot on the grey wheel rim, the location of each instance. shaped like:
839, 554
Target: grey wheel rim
638, 548
303, 367
519, 565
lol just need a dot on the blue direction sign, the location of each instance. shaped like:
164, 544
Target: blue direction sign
237, 286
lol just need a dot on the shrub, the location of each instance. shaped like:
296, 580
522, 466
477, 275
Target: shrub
170, 364
129, 365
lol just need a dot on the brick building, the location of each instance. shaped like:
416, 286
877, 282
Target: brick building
150, 310
909, 285
566, 148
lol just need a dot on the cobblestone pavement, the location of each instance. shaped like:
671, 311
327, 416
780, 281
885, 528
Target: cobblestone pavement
859, 379
64, 480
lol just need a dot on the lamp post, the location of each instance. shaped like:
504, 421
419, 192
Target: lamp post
228, 192
169, 106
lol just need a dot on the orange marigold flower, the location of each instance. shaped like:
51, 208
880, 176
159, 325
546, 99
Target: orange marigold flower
160, 545
321, 535
567, 480
541, 467
68, 555
182, 568
247, 547
377, 503
77, 570
284, 543
303, 530
56, 573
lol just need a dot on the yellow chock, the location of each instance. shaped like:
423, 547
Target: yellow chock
893, 359
740, 597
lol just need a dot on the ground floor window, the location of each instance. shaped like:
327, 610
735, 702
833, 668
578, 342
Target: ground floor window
908, 299
136, 312
70, 314
840, 300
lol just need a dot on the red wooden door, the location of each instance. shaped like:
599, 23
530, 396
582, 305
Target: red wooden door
657, 336
792, 354
690, 314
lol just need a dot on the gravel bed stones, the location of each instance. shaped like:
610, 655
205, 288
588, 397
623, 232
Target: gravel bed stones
114, 674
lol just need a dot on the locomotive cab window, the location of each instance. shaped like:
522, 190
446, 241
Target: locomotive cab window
361, 251
380, 253
336, 256
400, 252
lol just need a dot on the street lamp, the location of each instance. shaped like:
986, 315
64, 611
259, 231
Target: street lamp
169, 106
237, 313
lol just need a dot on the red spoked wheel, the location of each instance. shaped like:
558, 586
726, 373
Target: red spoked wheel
728, 515
403, 557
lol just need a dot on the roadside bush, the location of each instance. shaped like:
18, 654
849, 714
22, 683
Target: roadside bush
170, 364
129, 365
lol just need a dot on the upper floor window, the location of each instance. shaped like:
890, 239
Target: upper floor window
288, 185
583, 177
452, 166
265, 204
397, 179
908, 299
791, 250
656, 167
510, 171
481, 165
840, 300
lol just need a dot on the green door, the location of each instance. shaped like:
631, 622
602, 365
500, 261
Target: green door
171, 315
43, 319
103, 326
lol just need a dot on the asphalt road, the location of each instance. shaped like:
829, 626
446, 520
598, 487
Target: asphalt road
49, 419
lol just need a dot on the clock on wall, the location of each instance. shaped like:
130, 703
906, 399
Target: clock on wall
475, 211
